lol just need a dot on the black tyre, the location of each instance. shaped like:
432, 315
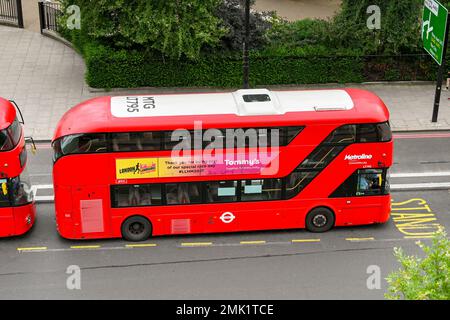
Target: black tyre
320, 220
136, 229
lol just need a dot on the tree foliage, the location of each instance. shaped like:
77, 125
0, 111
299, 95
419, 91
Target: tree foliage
231, 12
299, 33
399, 32
423, 278
175, 28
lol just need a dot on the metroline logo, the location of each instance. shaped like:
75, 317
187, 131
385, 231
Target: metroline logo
358, 157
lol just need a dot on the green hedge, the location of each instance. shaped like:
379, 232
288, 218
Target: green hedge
107, 68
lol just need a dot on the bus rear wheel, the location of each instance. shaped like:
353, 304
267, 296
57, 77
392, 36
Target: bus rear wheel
320, 220
136, 229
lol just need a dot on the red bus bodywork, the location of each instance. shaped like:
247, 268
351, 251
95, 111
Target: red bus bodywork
14, 220
89, 176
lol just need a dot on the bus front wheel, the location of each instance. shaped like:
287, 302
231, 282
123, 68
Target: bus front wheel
320, 220
136, 229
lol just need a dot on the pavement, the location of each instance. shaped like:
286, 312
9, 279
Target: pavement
46, 78
293, 10
31, 15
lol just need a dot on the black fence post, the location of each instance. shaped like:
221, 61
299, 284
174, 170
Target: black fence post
19, 13
41, 16
440, 76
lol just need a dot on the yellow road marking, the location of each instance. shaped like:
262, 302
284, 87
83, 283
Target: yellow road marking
196, 244
85, 247
305, 240
360, 239
418, 237
32, 249
253, 242
143, 245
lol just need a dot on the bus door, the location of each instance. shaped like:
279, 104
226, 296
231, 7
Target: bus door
6, 211
92, 202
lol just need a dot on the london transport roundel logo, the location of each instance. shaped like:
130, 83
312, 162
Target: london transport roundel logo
227, 217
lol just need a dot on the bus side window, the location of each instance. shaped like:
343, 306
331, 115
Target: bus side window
261, 190
343, 135
222, 191
5, 141
183, 193
83, 143
292, 133
367, 133
384, 132
321, 157
297, 181
347, 189
151, 141
136, 195
178, 138
15, 131
122, 142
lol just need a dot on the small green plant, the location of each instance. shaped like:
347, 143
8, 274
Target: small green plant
425, 278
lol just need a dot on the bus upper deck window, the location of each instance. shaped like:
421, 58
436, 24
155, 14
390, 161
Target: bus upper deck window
342, 135
15, 131
384, 132
83, 143
5, 141
136, 141
367, 133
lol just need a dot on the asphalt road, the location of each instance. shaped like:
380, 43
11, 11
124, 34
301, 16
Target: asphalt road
292, 264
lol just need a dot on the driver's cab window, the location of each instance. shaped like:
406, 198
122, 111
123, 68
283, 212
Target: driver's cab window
370, 182
4, 193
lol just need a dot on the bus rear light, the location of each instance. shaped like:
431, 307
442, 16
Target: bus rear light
28, 220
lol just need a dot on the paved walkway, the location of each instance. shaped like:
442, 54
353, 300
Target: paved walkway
299, 9
31, 15
46, 78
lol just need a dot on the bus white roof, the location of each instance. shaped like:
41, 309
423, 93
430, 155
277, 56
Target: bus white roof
242, 103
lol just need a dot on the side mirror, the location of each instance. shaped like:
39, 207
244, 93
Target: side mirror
33, 145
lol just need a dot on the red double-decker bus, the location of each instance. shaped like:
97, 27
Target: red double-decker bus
17, 209
138, 166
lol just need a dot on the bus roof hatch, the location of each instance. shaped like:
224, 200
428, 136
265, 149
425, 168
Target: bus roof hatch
255, 102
